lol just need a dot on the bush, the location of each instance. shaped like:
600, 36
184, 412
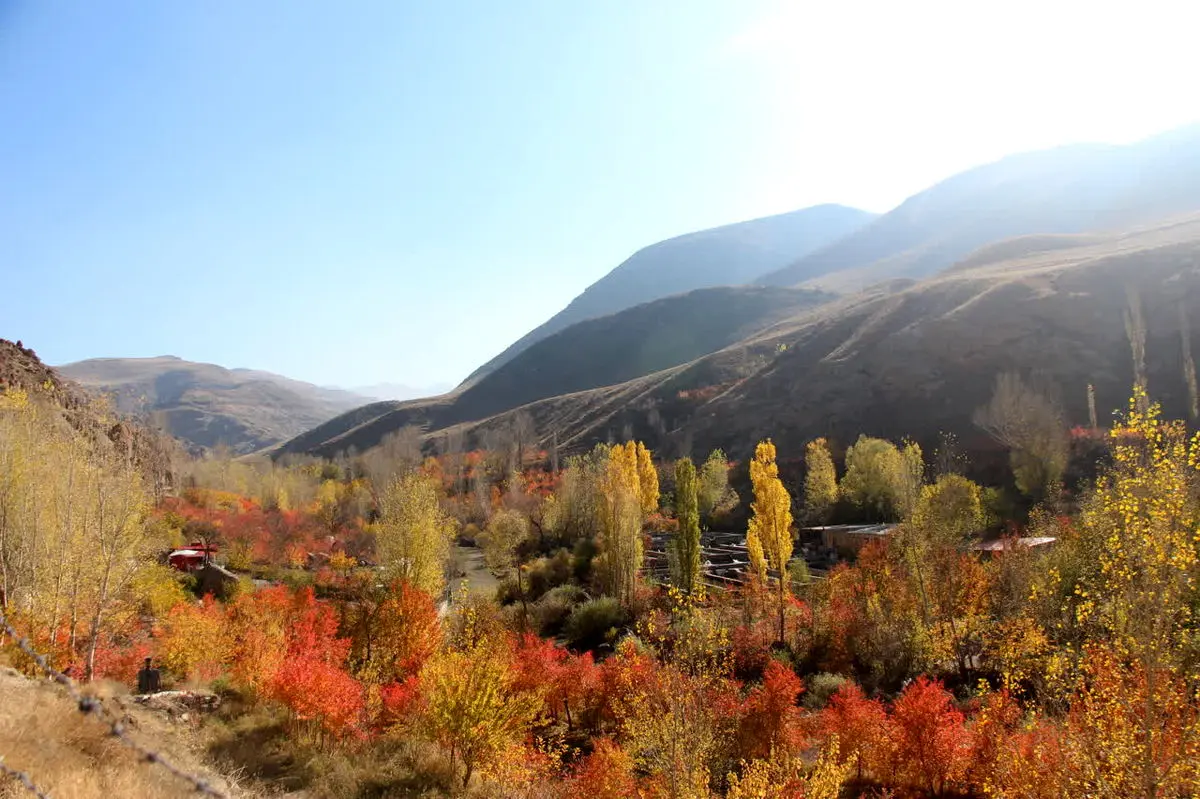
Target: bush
819, 688
551, 612
585, 551
595, 622
547, 573
507, 592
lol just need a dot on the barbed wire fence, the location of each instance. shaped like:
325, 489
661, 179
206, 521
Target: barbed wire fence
24, 779
90, 706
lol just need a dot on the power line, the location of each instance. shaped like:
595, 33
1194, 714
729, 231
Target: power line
90, 706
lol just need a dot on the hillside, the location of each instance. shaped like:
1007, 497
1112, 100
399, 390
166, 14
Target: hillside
909, 360
1067, 190
204, 405
730, 255
598, 352
22, 370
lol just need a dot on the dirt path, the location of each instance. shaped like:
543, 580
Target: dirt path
480, 580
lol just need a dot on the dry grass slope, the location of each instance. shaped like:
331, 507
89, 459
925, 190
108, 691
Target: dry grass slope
73, 757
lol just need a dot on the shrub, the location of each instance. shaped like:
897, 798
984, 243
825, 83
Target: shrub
585, 551
551, 612
594, 622
507, 593
547, 573
820, 688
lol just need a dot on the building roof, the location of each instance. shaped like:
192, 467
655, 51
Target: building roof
1001, 544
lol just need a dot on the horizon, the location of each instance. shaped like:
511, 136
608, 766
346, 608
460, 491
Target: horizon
436, 183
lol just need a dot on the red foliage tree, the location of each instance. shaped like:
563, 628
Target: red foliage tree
318, 691
607, 773
770, 720
862, 727
933, 744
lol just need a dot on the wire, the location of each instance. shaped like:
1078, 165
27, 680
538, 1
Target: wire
90, 706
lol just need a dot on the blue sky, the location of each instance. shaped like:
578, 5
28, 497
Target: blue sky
359, 192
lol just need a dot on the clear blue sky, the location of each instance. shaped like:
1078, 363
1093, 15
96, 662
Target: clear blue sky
357, 192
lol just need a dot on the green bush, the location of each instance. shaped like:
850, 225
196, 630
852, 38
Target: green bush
585, 551
546, 573
595, 622
819, 688
551, 612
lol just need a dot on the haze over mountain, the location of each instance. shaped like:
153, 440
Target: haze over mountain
907, 361
205, 405
729, 255
968, 279
1074, 189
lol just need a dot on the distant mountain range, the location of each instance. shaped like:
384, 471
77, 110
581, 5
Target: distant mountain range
1073, 189
1021, 264
204, 405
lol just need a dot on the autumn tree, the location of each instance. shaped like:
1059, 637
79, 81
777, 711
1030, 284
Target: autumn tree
647, 480
621, 514
862, 728
771, 519
713, 493
1141, 599
195, 642
933, 745
472, 708
576, 509
394, 630
820, 482
947, 512
879, 478
414, 534
685, 545
770, 720
505, 533
1026, 418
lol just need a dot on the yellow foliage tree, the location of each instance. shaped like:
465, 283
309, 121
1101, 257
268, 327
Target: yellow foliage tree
647, 480
620, 535
1143, 597
473, 709
195, 642
820, 482
771, 519
414, 534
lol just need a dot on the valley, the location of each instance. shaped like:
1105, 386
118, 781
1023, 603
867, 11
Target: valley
826, 504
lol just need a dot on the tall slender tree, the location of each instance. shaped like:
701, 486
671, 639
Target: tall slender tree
686, 544
771, 522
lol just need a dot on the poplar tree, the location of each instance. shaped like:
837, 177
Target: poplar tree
686, 544
820, 482
771, 522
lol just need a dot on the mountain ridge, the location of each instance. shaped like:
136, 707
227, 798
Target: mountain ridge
732, 254
1074, 189
207, 405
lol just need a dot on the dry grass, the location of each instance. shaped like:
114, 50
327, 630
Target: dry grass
73, 757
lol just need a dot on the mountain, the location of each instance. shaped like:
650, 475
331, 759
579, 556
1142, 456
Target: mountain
204, 405
22, 370
730, 255
598, 352
1068, 190
911, 358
